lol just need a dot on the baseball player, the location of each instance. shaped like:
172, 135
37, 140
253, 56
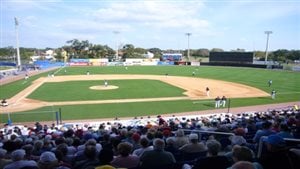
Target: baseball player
105, 83
4, 103
26, 77
273, 94
223, 101
270, 83
217, 102
207, 91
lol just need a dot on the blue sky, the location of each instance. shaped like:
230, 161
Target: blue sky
147, 24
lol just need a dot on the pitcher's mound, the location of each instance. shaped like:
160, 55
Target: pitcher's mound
102, 87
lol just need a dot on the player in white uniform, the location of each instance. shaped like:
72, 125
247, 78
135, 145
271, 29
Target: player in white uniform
26, 77
273, 94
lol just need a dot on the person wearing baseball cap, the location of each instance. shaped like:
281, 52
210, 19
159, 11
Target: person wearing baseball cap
276, 155
274, 141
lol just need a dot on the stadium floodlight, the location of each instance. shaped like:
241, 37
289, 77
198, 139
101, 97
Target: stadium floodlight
117, 45
17, 45
267, 45
188, 52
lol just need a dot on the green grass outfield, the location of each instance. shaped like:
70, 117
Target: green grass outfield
286, 83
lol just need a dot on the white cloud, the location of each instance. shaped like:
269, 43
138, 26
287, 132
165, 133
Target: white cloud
155, 14
159, 23
30, 21
23, 5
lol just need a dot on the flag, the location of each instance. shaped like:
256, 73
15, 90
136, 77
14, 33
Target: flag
16, 22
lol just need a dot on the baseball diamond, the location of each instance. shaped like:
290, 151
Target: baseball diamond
233, 84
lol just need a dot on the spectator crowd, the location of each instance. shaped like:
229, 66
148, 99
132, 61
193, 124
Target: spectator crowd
255, 140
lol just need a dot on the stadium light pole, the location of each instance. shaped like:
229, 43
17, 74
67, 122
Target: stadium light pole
188, 52
17, 44
117, 45
267, 45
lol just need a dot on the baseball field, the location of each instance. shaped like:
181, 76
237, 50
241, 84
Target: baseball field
141, 91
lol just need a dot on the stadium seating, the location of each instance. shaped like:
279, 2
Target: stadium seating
72, 139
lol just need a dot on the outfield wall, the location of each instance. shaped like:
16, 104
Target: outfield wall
128, 62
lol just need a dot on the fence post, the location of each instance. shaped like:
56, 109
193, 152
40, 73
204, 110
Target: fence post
60, 116
56, 117
9, 121
228, 106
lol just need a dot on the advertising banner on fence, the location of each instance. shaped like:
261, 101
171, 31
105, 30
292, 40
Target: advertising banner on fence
195, 63
115, 64
133, 61
79, 62
165, 63
98, 62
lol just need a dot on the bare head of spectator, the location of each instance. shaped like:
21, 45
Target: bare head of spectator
124, 149
150, 136
123, 132
158, 144
59, 155
284, 127
266, 125
237, 140
48, 160
59, 140
179, 133
28, 140
243, 165
213, 147
170, 141
242, 153
18, 155
91, 142
144, 142
193, 138
18, 142
239, 132
28, 150
158, 134
9, 146
2, 153
90, 152
69, 141
166, 133
37, 147
63, 148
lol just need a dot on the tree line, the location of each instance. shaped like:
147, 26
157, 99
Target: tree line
84, 49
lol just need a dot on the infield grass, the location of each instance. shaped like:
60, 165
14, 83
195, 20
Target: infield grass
128, 89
